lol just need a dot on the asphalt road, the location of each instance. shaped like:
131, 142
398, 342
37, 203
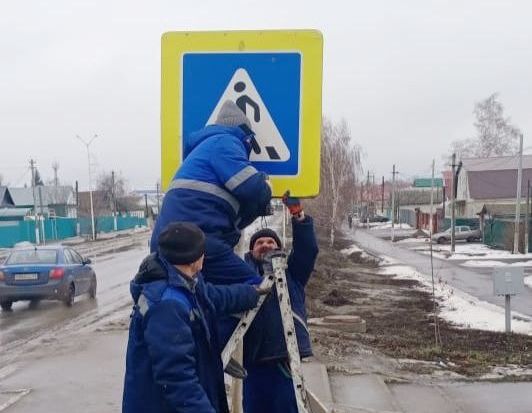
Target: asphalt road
474, 281
24, 326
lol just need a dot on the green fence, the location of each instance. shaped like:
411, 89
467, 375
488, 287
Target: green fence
106, 223
499, 233
61, 228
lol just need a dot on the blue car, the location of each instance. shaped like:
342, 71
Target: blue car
48, 272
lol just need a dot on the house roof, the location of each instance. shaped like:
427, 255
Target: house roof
5, 197
498, 163
418, 196
14, 212
21, 196
51, 195
501, 209
496, 178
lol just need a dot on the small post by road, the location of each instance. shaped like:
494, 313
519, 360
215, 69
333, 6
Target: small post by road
393, 204
518, 197
508, 281
453, 196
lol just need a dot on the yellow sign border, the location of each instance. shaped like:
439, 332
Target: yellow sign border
307, 42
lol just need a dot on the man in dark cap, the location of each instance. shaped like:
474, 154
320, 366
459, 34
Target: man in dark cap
219, 190
173, 361
265, 354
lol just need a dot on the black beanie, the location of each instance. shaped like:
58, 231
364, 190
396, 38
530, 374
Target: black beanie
265, 232
181, 243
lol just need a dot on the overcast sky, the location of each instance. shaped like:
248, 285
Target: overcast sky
404, 74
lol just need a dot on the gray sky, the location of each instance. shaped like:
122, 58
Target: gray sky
404, 74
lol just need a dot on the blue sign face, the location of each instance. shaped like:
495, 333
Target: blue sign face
266, 86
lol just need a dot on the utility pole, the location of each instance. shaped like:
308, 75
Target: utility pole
55, 167
527, 217
393, 203
431, 202
367, 203
146, 204
382, 196
113, 200
373, 197
518, 197
32, 166
453, 196
42, 217
87, 145
77, 209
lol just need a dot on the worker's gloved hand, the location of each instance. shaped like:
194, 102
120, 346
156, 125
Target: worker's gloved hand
235, 369
293, 204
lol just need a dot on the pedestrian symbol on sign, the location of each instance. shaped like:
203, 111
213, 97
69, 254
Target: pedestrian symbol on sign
243, 92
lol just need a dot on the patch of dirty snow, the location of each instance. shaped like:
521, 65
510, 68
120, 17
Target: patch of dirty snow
463, 309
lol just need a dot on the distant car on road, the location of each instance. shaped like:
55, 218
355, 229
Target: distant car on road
47, 272
462, 232
378, 218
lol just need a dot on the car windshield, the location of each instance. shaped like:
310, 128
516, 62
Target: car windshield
32, 257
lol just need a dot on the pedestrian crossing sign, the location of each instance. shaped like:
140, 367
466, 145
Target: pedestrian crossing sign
275, 77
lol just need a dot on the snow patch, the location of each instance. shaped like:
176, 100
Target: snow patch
356, 249
490, 263
388, 225
463, 309
528, 281
471, 251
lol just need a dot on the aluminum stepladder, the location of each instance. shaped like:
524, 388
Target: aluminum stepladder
274, 275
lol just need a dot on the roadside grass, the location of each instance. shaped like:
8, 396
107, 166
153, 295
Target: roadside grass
400, 320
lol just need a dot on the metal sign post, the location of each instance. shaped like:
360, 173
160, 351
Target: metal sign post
508, 281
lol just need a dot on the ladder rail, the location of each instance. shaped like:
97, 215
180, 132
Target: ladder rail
294, 359
244, 323
275, 275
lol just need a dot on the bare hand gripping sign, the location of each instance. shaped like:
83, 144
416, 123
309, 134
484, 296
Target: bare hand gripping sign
270, 145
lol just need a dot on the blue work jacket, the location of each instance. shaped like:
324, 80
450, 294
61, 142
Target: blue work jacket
264, 340
216, 188
173, 361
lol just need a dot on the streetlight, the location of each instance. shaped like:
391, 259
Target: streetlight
87, 145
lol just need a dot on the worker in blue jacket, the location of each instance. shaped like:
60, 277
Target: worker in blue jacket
173, 361
219, 190
268, 387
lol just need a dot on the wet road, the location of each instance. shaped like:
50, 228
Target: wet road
25, 325
478, 283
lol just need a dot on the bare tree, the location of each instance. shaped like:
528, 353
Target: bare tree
37, 178
495, 136
340, 167
115, 193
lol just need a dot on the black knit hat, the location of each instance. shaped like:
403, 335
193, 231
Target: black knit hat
265, 232
181, 243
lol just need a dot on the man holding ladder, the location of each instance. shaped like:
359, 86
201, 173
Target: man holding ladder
268, 387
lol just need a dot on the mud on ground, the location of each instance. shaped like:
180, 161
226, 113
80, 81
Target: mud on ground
400, 324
